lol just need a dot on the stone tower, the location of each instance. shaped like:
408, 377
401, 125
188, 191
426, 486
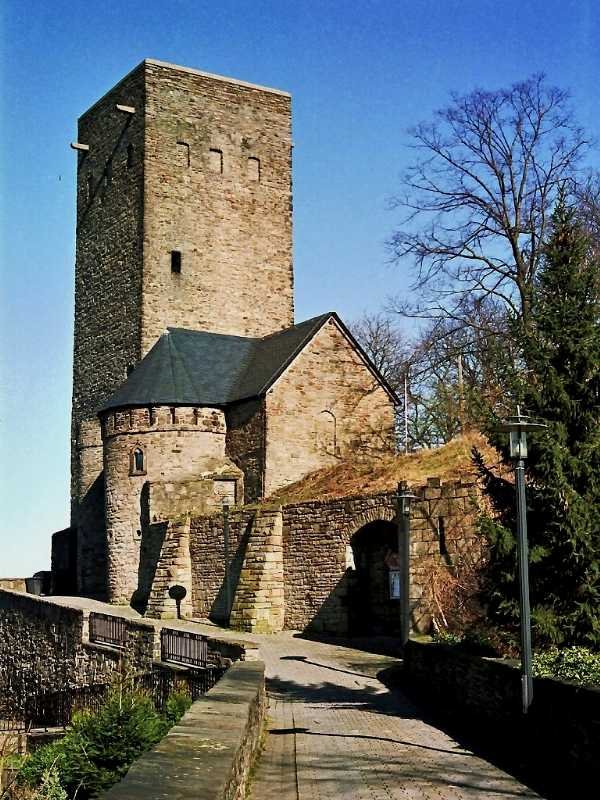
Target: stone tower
183, 220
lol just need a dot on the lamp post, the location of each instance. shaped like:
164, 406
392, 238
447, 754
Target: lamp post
404, 498
517, 427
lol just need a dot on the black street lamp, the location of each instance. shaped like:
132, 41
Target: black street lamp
404, 498
518, 426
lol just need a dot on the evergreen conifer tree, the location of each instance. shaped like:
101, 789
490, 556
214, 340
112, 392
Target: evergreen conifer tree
558, 382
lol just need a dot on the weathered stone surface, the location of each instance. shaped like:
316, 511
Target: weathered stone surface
258, 605
326, 405
208, 754
175, 551
313, 577
560, 732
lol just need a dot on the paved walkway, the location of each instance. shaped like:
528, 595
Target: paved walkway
336, 732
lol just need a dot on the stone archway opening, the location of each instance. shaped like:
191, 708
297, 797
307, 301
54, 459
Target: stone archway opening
373, 604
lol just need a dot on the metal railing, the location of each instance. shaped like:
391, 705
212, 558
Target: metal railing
162, 682
106, 629
54, 709
42, 708
183, 647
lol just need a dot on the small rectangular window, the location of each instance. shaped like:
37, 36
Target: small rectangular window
175, 262
183, 154
254, 168
215, 160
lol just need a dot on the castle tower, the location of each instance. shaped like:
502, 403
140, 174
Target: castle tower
183, 220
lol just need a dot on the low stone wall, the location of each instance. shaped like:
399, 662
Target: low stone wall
208, 754
44, 646
558, 740
13, 584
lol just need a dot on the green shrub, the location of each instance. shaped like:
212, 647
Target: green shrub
574, 664
176, 706
480, 640
99, 747
50, 788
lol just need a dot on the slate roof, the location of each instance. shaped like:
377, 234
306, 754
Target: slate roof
212, 369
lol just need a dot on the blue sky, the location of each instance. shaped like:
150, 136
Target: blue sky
360, 74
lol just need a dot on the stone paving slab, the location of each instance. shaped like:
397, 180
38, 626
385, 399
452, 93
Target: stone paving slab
335, 731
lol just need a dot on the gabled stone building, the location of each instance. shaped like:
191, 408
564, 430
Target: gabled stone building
192, 385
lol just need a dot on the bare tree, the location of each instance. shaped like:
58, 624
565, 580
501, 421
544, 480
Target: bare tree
386, 346
479, 197
453, 372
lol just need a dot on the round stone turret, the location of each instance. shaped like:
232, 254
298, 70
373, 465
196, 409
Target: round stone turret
160, 462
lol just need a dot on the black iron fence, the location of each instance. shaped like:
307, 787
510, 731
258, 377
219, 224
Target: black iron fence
55, 709
184, 647
163, 682
106, 629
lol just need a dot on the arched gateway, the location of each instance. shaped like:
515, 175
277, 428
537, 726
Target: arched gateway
373, 580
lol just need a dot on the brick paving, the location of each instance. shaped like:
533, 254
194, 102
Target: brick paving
335, 731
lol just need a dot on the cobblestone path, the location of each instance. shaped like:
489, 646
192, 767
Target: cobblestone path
335, 731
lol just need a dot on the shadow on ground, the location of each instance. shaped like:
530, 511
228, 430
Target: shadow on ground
392, 698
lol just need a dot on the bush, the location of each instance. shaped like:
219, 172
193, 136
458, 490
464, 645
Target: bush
176, 706
574, 664
99, 747
480, 640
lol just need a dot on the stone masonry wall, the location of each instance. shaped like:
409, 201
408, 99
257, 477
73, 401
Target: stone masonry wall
245, 444
207, 549
258, 605
45, 647
174, 568
317, 536
560, 734
178, 444
218, 190
89, 495
326, 405
208, 755
108, 268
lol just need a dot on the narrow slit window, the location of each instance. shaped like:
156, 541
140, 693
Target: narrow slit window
176, 262
130, 156
183, 154
90, 186
108, 173
138, 466
215, 160
441, 526
130, 369
254, 168
173, 416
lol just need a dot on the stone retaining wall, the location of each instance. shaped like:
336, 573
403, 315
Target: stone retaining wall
317, 537
559, 739
208, 754
44, 646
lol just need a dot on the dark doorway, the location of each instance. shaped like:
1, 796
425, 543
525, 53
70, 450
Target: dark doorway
371, 610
